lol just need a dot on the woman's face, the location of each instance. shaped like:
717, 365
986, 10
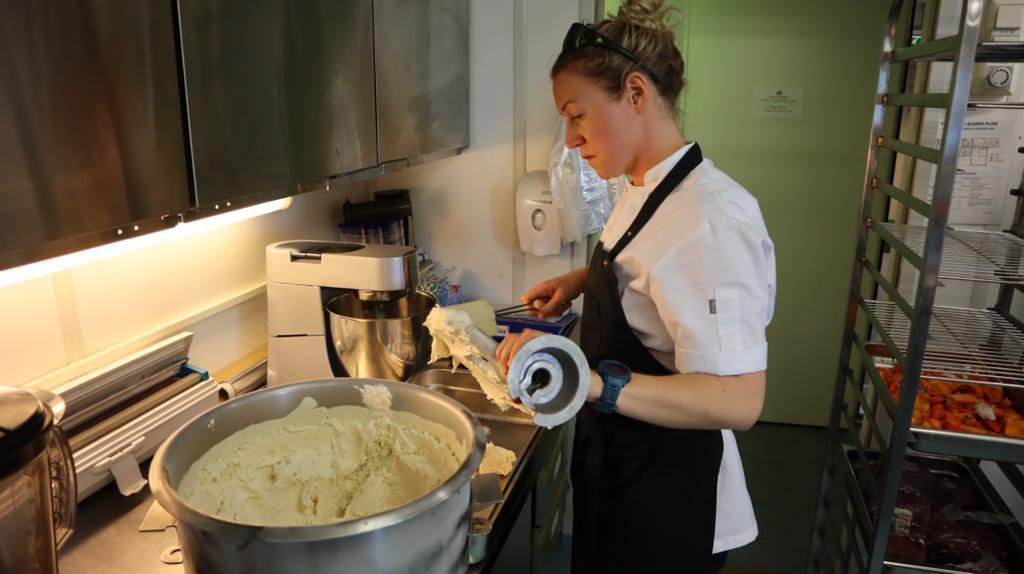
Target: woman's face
602, 127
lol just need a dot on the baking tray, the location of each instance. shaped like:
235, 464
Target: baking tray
956, 443
988, 500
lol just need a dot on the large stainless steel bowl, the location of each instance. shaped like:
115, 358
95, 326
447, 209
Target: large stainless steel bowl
428, 534
381, 339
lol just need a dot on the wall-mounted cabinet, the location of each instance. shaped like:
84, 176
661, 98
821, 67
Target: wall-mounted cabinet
122, 117
421, 61
279, 93
91, 123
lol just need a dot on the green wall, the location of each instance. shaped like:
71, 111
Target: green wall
806, 173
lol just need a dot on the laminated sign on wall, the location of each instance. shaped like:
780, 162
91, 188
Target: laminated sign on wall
987, 147
779, 103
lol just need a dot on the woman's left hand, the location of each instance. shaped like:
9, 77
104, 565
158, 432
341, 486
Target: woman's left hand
511, 344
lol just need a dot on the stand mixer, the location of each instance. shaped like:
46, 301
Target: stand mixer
337, 309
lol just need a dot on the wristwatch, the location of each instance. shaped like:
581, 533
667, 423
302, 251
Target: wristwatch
615, 376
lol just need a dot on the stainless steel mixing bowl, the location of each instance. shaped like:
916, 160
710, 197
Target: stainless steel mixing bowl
381, 339
429, 534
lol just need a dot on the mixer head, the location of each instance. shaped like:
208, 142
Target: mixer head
378, 296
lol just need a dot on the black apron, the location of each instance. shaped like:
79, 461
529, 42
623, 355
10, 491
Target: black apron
644, 496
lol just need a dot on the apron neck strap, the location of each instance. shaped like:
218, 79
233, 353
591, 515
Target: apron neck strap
686, 164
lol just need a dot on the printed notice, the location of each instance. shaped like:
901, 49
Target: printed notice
987, 145
779, 102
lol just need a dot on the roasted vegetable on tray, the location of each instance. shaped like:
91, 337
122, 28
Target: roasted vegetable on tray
963, 406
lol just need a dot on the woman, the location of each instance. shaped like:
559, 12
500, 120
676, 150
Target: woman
676, 300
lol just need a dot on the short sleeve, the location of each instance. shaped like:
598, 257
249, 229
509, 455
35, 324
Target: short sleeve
715, 293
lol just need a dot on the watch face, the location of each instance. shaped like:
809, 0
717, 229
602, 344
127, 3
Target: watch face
616, 370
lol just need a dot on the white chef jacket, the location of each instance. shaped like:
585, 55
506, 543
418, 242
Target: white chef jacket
698, 289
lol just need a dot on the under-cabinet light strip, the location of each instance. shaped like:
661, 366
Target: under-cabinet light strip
79, 258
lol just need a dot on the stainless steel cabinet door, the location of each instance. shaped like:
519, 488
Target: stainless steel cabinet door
421, 53
280, 92
91, 128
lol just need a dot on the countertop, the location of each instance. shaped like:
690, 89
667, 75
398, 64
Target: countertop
107, 539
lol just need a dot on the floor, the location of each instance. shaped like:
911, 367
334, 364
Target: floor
783, 468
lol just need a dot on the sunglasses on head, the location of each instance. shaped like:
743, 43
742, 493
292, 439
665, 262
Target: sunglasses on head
583, 36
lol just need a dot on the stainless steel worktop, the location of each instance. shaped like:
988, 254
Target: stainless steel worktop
511, 429
107, 539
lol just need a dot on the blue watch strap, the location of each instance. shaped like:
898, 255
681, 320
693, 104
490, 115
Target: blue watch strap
615, 376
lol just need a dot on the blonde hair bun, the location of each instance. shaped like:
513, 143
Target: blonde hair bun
645, 28
651, 14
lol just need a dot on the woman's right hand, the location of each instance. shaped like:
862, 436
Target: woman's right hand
556, 294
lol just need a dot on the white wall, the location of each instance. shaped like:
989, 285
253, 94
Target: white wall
461, 204
58, 326
545, 26
463, 207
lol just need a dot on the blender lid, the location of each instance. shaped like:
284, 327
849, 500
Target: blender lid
22, 419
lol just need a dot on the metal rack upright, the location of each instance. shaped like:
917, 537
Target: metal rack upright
868, 427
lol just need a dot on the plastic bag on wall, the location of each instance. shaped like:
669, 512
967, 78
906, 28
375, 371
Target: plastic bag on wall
580, 194
616, 187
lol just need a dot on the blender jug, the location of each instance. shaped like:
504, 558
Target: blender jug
37, 481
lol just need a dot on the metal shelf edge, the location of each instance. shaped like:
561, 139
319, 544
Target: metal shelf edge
952, 443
